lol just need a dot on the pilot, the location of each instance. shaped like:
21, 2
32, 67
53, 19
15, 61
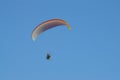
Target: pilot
48, 56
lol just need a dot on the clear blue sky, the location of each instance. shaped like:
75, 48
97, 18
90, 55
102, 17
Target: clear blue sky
90, 51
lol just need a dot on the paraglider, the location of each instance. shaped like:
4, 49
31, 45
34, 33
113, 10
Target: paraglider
48, 25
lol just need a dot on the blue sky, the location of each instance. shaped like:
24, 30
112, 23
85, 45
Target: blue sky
90, 51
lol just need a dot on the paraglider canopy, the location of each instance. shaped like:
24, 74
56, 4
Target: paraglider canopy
48, 25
